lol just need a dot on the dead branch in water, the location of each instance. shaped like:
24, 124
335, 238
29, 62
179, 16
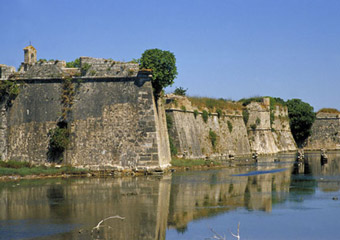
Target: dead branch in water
219, 237
238, 232
101, 221
216, 235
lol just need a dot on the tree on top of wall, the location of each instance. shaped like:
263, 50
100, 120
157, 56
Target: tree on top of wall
163, 66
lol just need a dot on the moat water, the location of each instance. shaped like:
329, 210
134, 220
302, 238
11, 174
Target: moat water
270, 200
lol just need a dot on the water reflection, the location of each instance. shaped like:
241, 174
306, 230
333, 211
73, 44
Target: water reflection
70, 208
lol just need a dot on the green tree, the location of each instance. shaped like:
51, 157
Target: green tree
163, 66
73, 64
302, 117
180, 91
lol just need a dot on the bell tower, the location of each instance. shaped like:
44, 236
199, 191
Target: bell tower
30, 54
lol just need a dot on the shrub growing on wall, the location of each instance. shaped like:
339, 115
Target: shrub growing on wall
59, 140
10, 88
245, 115
169, 124
258, 121
219, 113
205, 116
180, 91
195, 113
213, 138
230, 126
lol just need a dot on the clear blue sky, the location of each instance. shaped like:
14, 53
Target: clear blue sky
224, 48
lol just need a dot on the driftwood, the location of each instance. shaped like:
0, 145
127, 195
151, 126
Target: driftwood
101, 221
219, 237
238, 232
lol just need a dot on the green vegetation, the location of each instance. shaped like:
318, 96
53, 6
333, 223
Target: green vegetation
173, 149
219, 113
25, 168
257, 121
213, 104
205, 116
67, 97
11, 88
195, 113
84, 68
273, 103
169, 124
253, 126
73, 64
176, 162
213, 138
329, 110
245, 114
180, 91
183, 108
134, 60
247, 101
14, 164
230, 126
169, 120
163, 66
59, 140
301, 117
273, 100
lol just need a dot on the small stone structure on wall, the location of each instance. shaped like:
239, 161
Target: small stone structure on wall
109, 109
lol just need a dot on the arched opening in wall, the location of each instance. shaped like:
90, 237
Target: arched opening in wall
62, 124
59, 138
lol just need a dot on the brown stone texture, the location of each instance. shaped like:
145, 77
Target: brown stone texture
114, 123
325, 132
191, 135
267, 138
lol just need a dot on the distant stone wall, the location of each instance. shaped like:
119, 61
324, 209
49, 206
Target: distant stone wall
325, 132
114, 122
190, 134
267, 137
6, 71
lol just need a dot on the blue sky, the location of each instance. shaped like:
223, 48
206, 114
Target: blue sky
224, 48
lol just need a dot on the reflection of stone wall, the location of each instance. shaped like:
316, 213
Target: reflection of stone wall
191, 199
143, 203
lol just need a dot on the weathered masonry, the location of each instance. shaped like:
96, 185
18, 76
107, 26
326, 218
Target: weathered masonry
107, 107
192, 136
325, 132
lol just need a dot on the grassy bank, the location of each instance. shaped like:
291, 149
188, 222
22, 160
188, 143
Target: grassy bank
25, 169
177, 162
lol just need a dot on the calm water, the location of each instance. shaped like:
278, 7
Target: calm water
278, 200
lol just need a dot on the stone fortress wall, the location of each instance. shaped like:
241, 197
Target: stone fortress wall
190, 134
325, 132
269, 137
114, 121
